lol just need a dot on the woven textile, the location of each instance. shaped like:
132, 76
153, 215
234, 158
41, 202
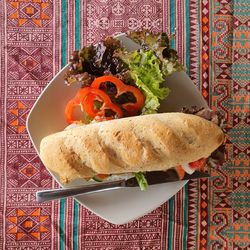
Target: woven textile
213, 42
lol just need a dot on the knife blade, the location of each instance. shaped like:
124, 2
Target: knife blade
155, 177
159, 177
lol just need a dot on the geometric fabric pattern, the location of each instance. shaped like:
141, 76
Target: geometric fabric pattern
212, 38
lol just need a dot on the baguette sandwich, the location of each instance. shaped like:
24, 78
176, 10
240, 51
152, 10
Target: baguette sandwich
155, 142
116, 83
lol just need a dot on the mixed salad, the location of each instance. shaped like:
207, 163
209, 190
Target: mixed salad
116, 83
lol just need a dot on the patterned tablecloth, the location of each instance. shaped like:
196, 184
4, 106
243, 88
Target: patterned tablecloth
213, 41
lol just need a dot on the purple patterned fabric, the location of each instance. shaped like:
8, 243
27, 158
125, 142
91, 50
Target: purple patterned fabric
212, 40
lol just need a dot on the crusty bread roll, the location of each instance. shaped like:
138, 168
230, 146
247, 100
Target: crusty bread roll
142, 143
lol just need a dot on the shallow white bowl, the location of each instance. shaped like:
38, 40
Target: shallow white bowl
118, 206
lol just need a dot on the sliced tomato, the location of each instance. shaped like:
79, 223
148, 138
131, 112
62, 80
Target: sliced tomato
180, 171
198, 164
100, 177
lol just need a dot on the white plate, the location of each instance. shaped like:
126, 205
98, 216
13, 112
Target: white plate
118, 206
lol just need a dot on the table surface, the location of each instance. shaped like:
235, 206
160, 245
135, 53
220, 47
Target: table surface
213, 41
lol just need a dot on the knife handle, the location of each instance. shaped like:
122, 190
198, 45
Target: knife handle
49, 195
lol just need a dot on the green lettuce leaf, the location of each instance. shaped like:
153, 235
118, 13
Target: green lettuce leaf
160, 44
142, 181
153, 41
145, 69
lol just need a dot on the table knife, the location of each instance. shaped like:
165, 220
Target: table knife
155, 177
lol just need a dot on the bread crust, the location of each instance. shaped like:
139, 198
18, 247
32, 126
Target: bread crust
143, 143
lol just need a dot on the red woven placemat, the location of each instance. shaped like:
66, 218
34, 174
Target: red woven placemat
212, 39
